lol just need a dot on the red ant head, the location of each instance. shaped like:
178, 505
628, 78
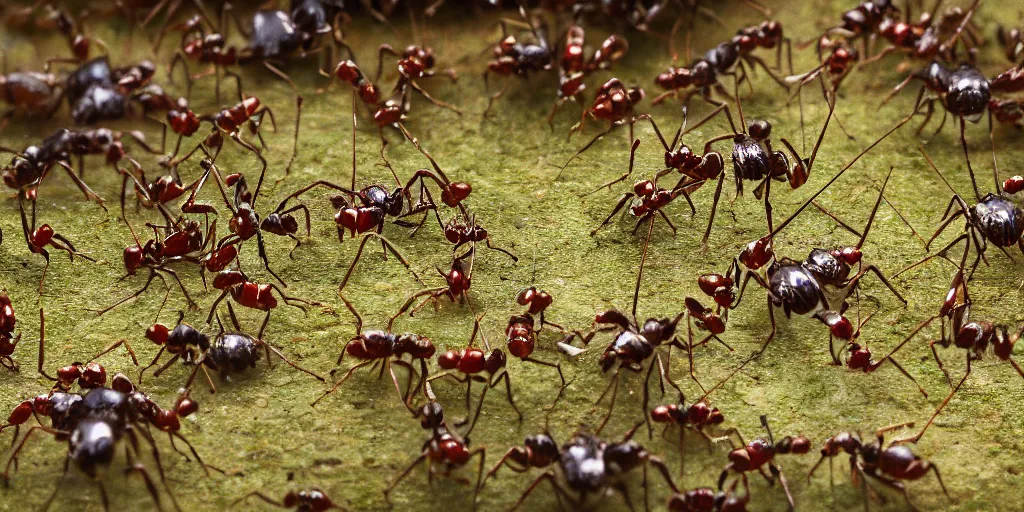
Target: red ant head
80, 47
186, 407
42, 235
411, 68
425, 54
348, 72
121, 383
458, 281
1013, 185
759, 129
42, 405
538, 300
157, 333
757, 253
682, 158
860, 357
390, 113
972, 334
745, 43
521, 341
612, 316
244, 223
217, 260
455, 193
571, 85
849, 255
838, 324
419, 347
167, 420
227, 278
644, 188
663, 413
636, 95
710, 283
495, 361
449, 360
612, 49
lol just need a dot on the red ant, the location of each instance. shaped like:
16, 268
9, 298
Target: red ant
78, 42
632, 346
485, 366
886, 465
753, 456
457, 282
8, 341
932, 36
444, 447
460, 231
87, 375
588, 465
974, 337
415, 63
228, 353
706, 499
694, 417
38, 238
384, 347
575, 67
35, 94
229, 122
309, 500
512, 57
614, 103
183, 241
250, 294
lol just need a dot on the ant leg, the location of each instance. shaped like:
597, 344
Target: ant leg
548, 476
298, 112
645, 404
387, 244
422, 458
614, 387
714, 208
291, 363
586, 147
89, 194
342, 381
561, 376
153, 274
259, 495
967, 157
508, 392
5, 477
153, 363
917, 437
408, 303
113, 346
618, 207
873, 269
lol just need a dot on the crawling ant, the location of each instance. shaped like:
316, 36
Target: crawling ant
94, 421
753, 456
614, 103
32, 93
513, 57
384, 347
930, 38
183, 241
8, 341
38, 238
575, 66
98, 92
694, 417
632, 346
486, 366
415, 63
1012, 43
228, 353
250, 294
706, 499
307, 500
974, 337
229, 122
457, 282
888, 465
444, 447
588, 465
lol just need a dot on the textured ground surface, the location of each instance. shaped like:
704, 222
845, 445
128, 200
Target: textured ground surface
260, 428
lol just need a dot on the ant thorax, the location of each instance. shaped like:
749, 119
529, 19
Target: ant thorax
795, 289
583, 464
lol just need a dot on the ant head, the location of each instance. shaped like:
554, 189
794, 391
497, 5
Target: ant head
613, 316
455, 193
146, 69
797, 445
121, 383
759, 129
132, 258
757, 253
186, 407
636, 95
973, 334
542, 448
860, 357
453, 450
432, 416
419, 347
644, 188
664, 413
658, 331
838, 324
849, 255
158, 333
538, 300
711, 283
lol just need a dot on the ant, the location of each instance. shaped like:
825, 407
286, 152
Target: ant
457, 282
93, 422
8, 341
753, 456
706, 499
377, 347
228, 353
588, 465
513, 57
931, 37
308, 500
444, 447
98, 92
887, 465
485, 366
645, 202
614, 103
974, 337
575, 66
229, 122
461, 231
702, 75
521, 330
183, 241
415, 63
1012, 43
694, 417
38, 238
632, 346
33, 93
250, 294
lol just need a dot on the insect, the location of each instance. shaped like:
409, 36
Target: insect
753, 456
384, 347
973, 336
183, 241
633, 346
32, 93
457, 282
511, 56
307, 500
706, 499
888, 465
38, 238
575, 66
8, 340
486, 366
1012, 42
415, 63
229, 122
250, 294
694, 417
229, 352
589, 466
521, 341
614, 103
931, 37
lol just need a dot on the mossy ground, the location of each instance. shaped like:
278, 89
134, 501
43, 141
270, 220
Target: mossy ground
260, 427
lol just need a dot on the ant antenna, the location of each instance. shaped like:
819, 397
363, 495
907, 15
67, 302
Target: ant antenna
764, 423
354, 141
874, 211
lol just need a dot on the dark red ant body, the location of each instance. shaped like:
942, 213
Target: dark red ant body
575, 66
632, 347
513, 57
415, 63
929, 38
456, 288
694, 417
34, 94
230, 352
384, 347
38, 238
589, 466
8, 341
615, 103
251, 294
753, 456
309, 500
460, 231
886, 465
229, 122
703, 75
706, 499
183, 241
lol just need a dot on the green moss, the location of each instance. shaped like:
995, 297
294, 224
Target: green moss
259, 428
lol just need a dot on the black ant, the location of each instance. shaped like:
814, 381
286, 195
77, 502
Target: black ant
753, 456
888, 465
228, 353
588, 465
384, 347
